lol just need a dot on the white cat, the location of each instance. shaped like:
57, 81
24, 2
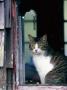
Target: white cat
40, 59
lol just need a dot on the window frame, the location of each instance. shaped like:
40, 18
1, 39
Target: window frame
64, 22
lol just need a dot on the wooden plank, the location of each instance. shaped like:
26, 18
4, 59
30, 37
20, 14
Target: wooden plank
42, 88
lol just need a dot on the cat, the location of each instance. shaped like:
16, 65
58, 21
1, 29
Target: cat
51, 66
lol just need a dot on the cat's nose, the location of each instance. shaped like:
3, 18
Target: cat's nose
36, 50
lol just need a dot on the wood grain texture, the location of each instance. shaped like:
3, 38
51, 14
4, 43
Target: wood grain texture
42, 88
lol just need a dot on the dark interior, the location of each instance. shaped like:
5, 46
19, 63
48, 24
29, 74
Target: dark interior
49, 19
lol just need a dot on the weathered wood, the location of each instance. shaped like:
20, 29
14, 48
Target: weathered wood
42, 88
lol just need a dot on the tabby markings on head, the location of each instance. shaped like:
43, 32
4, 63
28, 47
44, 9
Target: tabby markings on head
38, 46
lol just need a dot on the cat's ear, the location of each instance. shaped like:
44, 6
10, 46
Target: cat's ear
31, 38
44, 38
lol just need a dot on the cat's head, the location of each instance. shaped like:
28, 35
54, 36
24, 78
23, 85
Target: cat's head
39, 46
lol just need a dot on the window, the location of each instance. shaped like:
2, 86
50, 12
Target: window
30, 27
65, 27
24, 67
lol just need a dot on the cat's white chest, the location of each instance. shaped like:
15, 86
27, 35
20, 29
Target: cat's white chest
43, 66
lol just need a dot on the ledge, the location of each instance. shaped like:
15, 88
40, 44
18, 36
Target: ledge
41, 88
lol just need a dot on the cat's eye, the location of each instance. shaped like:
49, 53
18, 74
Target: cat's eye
41, 45
32, 46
